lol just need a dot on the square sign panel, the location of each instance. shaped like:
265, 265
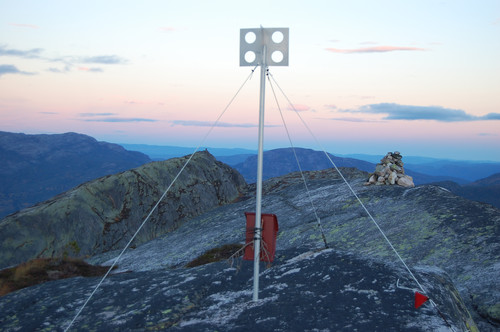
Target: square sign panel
271, 41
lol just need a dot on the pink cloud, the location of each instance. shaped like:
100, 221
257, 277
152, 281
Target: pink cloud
375, 49
31, 26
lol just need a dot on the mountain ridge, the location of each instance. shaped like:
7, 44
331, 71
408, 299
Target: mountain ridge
282, 161
102, 214
37, 167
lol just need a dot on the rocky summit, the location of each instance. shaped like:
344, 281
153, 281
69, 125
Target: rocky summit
355, 282
390, 171
103, 214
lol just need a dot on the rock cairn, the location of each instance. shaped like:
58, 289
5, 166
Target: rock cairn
390, 171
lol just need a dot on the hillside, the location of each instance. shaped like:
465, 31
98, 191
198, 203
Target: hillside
428, 225
279, 162
102, 215
450, 243
492, 180
468, 170
485, 190
35, 168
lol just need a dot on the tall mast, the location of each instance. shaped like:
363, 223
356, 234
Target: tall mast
262, 47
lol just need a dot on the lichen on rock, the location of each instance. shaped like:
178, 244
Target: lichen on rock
103, 214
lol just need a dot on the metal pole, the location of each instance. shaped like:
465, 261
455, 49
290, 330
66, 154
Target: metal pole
260, 159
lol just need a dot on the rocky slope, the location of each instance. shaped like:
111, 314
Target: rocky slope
304, 291
428, 225
103, 214
34, 168
447, 241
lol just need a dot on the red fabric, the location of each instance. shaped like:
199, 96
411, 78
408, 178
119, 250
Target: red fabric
420, 299
269, 226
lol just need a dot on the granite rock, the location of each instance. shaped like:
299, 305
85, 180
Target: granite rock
103, 214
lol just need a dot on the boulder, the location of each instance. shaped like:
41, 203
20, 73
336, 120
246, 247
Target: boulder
406, 181
393, 177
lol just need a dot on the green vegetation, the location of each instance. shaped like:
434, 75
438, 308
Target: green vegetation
72, 247
41, 270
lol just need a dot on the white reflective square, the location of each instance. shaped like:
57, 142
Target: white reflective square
252, 42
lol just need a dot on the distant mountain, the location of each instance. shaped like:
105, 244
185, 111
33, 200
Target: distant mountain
34, 168
485, 190
234, 160
422, 169
470, 171
279, 162
163, 152
492, 180
460, 171
282, 161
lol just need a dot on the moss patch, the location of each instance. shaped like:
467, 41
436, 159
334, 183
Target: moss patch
41, 270
215, 254
491, 312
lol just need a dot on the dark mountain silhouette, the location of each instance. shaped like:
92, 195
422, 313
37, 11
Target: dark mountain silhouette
467, 170
34, 168
485, 190
492, 180
163, 152
282, 161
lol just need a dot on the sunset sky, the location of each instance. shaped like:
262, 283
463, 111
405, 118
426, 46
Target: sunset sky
420, 77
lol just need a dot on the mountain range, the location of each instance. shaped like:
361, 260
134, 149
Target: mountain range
282, 161
334, 269
485, 190
37, 167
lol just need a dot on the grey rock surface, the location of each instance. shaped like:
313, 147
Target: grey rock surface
303, 291
427, 225
103, 214
451, 245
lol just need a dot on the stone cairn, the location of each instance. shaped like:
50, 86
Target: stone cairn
390, 171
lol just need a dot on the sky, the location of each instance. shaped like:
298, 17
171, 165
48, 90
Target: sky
419, 77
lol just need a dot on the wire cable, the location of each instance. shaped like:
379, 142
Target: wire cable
159, 201
360, 202
350, 188
318, 220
